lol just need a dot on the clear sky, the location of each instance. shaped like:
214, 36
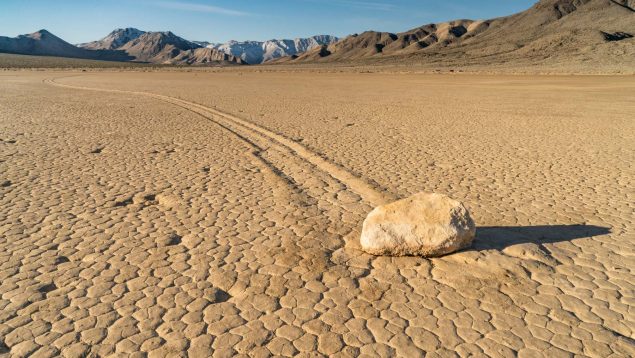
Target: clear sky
222, 20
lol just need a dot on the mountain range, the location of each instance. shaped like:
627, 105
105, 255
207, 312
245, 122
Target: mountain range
583, 32
562, 32
256, 52
121, 45
160, 47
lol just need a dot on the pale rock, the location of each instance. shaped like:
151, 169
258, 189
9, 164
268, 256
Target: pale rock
424, 224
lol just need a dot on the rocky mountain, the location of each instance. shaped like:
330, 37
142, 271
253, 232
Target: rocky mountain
44, 43
121, 45
256, 52
204, 56
551, 31
372, 43
165, 48
114, 40
157, 47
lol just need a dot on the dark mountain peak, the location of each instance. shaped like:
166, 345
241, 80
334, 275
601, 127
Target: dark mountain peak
128, 33
42, 34
127, 29
45, 36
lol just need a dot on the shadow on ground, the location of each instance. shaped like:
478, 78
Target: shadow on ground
500, 237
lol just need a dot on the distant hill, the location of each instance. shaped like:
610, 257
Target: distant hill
44, 43
9, 60
580, 32
128, 44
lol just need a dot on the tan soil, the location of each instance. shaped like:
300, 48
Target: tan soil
219, 213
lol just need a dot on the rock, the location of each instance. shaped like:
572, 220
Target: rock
424, 224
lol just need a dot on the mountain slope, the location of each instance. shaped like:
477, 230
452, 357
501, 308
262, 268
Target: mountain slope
114, 40
255, 52
550, 32
204, 56
157, 47
44, 43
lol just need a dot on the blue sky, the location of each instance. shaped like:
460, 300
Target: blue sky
222, 20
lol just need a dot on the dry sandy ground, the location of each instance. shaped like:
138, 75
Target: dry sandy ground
219, 212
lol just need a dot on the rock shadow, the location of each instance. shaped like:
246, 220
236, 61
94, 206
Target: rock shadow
97, 150
500, 237
221, 296
124, 202
47, 288
61, 260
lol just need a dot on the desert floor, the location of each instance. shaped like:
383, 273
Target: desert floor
200, 213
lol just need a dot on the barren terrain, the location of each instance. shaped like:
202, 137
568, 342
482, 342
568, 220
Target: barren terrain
219, 212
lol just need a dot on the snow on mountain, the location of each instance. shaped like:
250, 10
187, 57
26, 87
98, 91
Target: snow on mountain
249, 51
114, 40
205, 44
255, 52
146, 46
160, 47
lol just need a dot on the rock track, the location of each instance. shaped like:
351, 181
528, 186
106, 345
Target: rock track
260, 138
132, 226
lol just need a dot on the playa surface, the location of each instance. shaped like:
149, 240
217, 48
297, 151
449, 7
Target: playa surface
219, 213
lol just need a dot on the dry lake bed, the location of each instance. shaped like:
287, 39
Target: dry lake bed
219, 213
